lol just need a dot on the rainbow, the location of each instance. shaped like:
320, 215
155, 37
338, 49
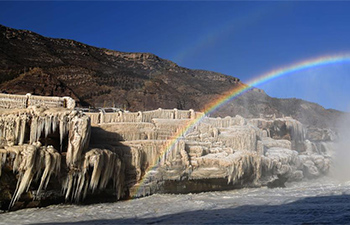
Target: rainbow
212, 36
240, 89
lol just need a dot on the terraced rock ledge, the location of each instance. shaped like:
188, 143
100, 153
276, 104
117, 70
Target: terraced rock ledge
51, 152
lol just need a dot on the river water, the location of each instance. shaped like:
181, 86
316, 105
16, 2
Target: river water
317, 201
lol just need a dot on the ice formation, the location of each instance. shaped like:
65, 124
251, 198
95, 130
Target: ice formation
106, 166
36, 140
24, 130
126, 152
244, 152
31, 160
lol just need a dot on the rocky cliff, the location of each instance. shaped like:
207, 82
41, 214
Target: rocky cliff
31, 63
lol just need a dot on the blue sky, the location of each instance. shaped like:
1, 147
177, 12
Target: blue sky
242, 39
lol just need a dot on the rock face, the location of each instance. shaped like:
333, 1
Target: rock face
132, 154
30, 63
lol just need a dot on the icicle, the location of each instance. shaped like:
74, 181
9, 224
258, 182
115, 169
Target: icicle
33, 130
105, 167
26, 172
52, 162
80, 186
48, 124
63, 130
40, 127
109, 168
54, 123
17, 129
23, 123
78, 139
97, 161
68, 185
16, 156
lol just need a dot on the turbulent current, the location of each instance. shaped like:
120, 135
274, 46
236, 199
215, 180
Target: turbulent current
315, 201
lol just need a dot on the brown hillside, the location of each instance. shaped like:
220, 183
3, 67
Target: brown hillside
31, 63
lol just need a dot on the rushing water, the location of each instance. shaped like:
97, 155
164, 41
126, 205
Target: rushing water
316, 201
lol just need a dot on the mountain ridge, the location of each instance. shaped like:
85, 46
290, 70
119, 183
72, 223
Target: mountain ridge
98, 77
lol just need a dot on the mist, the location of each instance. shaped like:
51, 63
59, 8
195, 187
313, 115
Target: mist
341, 158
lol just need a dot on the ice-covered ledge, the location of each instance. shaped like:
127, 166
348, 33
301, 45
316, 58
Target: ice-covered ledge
134, 153
10, 101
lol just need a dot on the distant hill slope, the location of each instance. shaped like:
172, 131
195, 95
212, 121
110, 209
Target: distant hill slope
31, 63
